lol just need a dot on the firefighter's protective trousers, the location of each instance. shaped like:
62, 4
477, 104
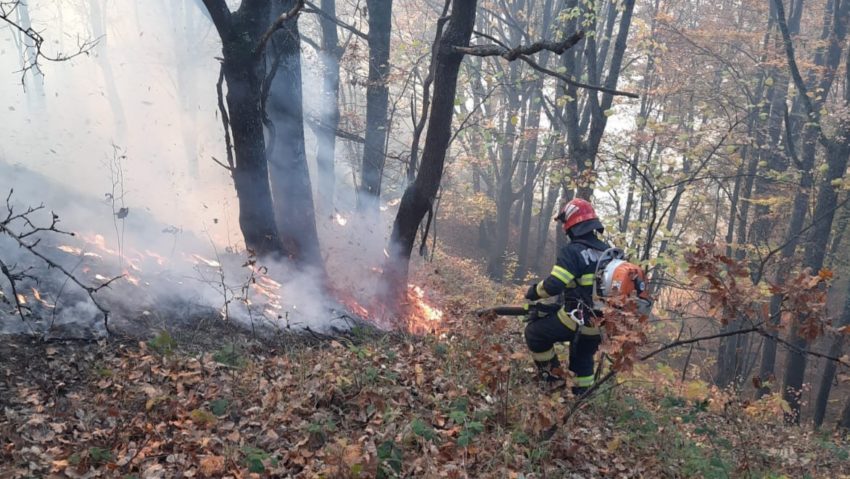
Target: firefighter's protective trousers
542, 334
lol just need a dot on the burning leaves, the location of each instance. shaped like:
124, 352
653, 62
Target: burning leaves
421, 318
271, 295
208, 262
70, 250
37, 295
27, 229
415, 314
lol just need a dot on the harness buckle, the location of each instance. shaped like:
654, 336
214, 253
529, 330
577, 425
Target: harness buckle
577, 316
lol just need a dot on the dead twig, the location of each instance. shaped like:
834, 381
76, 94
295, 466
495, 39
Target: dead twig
20, 237
36, 45
277, 25
522, 53
511, 54
225, 121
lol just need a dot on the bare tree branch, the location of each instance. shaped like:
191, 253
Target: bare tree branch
502, 48
84, 46
345, 135
225, 121
522, 50
317, 10
309, 41
792, 65
20, 238
574, 83
283, 18
682, 342
13, 277
419, 127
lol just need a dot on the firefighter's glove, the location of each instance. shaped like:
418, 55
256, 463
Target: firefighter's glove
531, 294
533, 313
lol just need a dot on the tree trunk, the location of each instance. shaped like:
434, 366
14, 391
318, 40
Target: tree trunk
729, 348
829, 58
829, 371
535, 104
504, 201
840, 230
419, 196
815, 253
795, 225
244, 73
329, 109
774, 107
35, 87
837, 151
99, 31
250, 176
287, 159
545, 219
507, 168
729, 361
584, 132
186, 27
377, 98
844, 422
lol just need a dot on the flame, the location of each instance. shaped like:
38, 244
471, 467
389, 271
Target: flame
341, 220
160, 260
269, 283
100, 242
418, 316
70, 250
209, 262
37, 295
132, 279
416, 313
421, 318
358, 309
268, 288
22, 299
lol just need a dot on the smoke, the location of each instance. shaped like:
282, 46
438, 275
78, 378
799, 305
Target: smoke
156, 101
87, 141
168, 273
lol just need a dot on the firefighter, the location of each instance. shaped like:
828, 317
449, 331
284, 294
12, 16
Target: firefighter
573, 275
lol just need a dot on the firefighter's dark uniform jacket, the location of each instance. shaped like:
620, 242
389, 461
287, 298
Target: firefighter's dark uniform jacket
572, 275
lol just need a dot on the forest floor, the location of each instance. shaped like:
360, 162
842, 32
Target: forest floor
458, 404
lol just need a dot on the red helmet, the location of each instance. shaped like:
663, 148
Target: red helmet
578, 211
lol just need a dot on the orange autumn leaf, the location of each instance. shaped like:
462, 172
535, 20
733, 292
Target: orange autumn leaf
212, 465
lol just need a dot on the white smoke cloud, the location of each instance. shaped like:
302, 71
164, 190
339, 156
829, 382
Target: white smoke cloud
157, 103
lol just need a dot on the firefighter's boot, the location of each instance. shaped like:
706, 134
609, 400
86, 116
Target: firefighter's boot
582, 385
548, 376
578, 391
